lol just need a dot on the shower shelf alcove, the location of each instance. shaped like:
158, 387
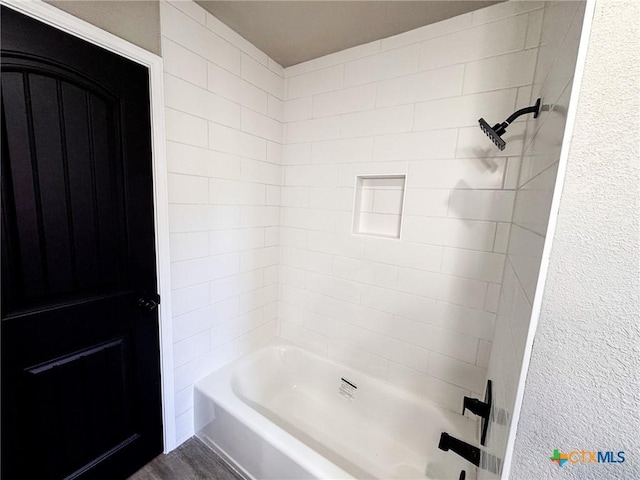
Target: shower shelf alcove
378, 205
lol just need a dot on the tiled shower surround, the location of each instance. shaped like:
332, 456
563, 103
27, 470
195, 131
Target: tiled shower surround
263, 165
560, 36
418, 311
223, 102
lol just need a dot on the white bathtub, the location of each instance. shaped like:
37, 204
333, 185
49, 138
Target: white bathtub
284, 413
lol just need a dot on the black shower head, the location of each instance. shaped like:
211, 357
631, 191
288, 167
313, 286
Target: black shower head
492, 133
495, 133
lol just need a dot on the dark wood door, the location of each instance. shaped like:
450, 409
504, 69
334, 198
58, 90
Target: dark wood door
80, 355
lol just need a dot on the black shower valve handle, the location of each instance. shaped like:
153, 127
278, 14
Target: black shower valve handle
482, 409
476, 406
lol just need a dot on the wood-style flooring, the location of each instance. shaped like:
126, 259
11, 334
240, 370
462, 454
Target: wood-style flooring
192, 460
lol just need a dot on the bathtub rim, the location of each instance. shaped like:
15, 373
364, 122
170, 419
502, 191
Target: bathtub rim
217, 387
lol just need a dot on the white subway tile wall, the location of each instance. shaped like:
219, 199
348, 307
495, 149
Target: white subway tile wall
262, 169
417, 311
557, 28
224, 100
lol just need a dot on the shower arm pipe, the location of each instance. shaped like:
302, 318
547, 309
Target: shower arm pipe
523, 111
535, 109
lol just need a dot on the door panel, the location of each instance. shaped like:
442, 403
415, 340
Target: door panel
80, 403
80, 363
71, 224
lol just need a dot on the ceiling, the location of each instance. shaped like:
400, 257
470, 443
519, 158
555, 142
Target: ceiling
292, 32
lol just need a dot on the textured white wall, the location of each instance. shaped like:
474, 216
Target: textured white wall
223, 99
583, 387
561, 27
418, 311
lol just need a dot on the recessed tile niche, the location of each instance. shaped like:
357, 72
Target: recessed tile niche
379, 200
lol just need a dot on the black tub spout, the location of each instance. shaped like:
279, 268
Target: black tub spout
464, 449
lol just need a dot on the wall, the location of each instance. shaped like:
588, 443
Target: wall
135, 21
223, 111
555, 65
583, 384
419, 311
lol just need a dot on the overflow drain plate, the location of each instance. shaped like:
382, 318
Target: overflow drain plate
347, 389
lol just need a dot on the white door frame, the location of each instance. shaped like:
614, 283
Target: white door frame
92, 34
